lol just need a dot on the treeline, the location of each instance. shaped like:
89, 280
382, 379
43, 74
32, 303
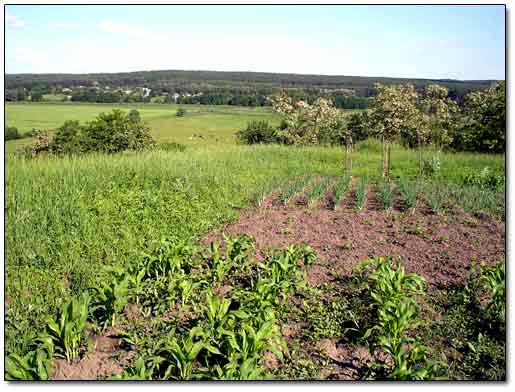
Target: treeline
397, 114
208, 82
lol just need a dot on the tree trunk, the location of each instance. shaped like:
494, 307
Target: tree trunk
419, 155
348, 155
386, 159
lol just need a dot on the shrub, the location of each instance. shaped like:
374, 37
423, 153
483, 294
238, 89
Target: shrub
257, 132
11, 133
180, 112
109, 133
485, 179
172, 146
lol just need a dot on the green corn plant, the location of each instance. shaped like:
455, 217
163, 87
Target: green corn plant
251, 342
408, 192
294, 189
239, 370
216, 312
387, 283
110, 299
136, 284
317, 191
35, 365
393, 293
178, 356
493, 279
67, 331
385, 193
168, 258
342, 185
237, 247
361, 193
220, 265
141, 371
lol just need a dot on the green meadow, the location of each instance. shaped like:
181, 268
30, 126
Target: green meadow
202, 125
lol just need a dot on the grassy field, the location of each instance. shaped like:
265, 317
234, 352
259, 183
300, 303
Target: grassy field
203, 125
69, 218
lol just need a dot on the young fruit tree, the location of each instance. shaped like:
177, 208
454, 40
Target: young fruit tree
305, 124
437, 122
393, 112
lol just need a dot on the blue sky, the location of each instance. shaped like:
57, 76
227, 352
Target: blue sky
458, 42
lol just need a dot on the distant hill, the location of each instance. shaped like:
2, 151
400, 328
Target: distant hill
202, 81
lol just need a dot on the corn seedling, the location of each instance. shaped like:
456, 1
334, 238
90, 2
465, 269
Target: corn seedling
35, 365
178, 356
393, 293
67, 331
110, 299
493, 279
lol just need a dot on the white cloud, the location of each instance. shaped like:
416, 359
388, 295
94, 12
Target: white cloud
132, 31
27, 59
66, 25
112, 26
13, 21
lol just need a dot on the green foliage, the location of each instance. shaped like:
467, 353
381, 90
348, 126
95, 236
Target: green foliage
409, 192
342, 185
257, 132
172, 146
494, 280
394, 294
110, 298
109, 133
181, 112
483, 124
35, 365
11, 133
361, 193
317, 191
358, 125
67, 331
485, 179
294, 188
385, 193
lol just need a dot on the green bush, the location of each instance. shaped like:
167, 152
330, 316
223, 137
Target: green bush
180, 112
257, 132
109, 132
11, 133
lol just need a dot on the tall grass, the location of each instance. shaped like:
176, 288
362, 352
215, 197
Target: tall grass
65, 217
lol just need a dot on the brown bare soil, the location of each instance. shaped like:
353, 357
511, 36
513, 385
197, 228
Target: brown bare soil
441, 247
99, 362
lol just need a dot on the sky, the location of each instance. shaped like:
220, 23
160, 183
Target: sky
456, 42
